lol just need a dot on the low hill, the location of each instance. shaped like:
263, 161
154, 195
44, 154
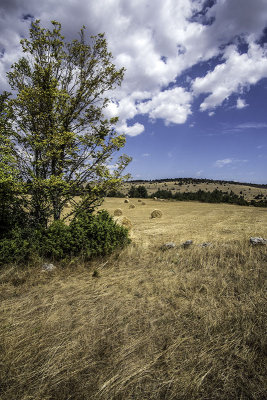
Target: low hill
182, 185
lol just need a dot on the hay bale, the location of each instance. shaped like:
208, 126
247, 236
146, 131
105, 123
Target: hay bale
126, 201
131, 206
156, 214
155, 198
124, 221
143, 203
139, 201
118, 211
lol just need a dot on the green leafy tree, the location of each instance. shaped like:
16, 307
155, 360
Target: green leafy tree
139, 191
61, 139
11, 199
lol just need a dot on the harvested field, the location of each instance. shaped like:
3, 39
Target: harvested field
180, 324
201, 222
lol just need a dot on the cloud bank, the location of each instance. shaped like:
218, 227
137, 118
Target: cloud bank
157, 42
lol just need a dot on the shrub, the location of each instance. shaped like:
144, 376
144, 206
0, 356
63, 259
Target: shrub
15, 248
96, 235
115, 193
87, 236
56, 241
139, 192
162, 194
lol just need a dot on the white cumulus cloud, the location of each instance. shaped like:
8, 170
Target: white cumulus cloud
156, 41
173, 106
241, 103
132, 130
236, 73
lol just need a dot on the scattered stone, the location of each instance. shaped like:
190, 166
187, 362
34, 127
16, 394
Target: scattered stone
124, 221
131, 206
118, 211
167, 246
205, 244
48, 267
187, 243
126, 201
95, 274
156, 214
258, 241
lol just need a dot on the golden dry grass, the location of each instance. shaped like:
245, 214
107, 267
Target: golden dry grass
179, 324
249, 192
201, 222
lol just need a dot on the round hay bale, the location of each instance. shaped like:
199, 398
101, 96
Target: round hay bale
139, 201
126, 201
143, 203
131, 206
156, 214
118, 211
155, 198
124, 221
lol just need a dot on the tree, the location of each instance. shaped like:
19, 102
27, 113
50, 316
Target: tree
62, 141
139, 191
11, 204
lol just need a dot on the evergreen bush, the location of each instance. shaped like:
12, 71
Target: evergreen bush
88, 235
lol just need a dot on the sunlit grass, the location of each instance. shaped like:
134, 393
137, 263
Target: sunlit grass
150, 324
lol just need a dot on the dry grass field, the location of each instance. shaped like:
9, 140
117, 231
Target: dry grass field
200, 222
144, 324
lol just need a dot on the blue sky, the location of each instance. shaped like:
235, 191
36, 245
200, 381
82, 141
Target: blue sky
193, 100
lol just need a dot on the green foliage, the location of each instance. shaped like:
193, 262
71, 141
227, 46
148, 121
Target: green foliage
115, 193
217, 196
17, 246
261, 203
162, 194
60, 138
138, 192
95, 235
87, 236
11, 200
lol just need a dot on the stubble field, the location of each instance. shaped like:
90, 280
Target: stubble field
181, 324
200, 222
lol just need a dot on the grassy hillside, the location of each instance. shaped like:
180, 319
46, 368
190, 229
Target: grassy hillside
180, 186
150, 324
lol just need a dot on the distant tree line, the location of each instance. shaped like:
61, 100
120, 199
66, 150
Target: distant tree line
139, 192
216, 196
188, 181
